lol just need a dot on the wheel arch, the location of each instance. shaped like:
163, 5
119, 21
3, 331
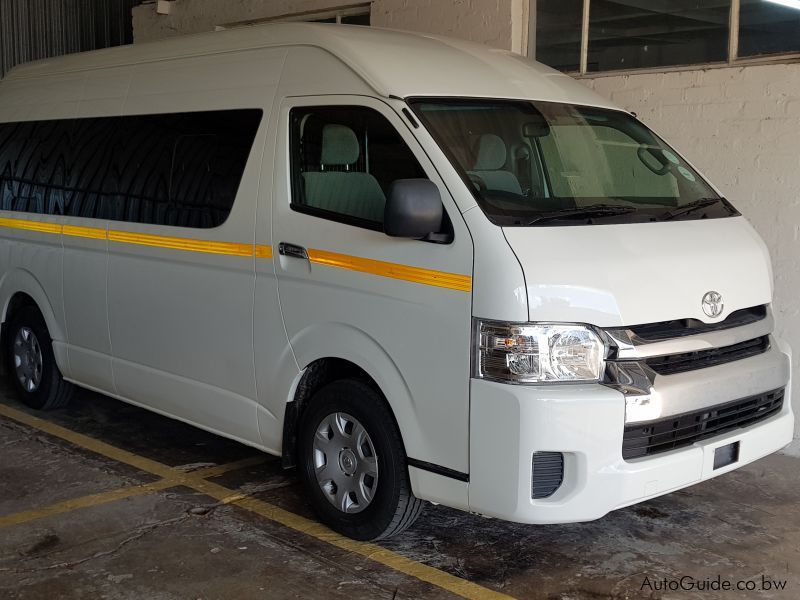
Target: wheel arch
338, 351
18, 288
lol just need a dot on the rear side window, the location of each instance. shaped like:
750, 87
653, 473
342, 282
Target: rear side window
344, 159
34, 166
182, 170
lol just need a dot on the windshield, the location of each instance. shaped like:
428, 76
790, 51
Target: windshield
544, 163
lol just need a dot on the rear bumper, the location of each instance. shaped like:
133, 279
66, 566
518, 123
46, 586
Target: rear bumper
586, 422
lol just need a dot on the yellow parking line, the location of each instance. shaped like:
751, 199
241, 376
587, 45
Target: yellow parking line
217, 470
373, 552
121, 493
96, 446
84, 502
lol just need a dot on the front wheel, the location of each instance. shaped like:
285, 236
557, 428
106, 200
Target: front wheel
353, 464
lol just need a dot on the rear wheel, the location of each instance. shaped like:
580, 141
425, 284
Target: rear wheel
353, 464
32, 364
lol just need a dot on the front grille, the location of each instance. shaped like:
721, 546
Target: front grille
644, 439
548, 474
653, 332
701, 359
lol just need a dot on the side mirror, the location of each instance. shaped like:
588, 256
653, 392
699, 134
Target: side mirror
413, 210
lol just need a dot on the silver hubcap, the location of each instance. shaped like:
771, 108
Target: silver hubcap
345, 462
28, 359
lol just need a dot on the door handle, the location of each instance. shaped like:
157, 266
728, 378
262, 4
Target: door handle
292, 251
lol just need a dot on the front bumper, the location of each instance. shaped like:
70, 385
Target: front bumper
508, 423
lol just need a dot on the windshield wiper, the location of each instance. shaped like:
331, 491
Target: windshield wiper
689, 208
584, 212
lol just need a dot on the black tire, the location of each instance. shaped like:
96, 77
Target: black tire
52, 391
393, 507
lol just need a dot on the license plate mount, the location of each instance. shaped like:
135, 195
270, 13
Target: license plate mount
726, 455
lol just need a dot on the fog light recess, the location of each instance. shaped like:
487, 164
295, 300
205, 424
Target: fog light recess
547, 474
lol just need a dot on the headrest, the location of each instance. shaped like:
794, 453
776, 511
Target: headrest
491, 153
339, 145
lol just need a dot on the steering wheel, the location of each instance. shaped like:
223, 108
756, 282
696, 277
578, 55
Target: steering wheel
478, 182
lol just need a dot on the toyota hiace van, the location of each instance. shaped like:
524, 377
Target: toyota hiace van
415, 268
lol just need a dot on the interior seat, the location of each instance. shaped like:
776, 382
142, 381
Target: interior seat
490, 165
353, 193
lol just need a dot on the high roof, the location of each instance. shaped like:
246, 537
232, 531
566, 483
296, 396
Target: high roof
393, 63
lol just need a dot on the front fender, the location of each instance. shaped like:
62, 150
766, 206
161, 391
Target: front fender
339, 340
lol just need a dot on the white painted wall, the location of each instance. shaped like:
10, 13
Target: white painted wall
741, 127
498, 23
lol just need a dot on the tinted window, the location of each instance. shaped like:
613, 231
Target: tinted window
94, 181
177, 169
356, 20
768, 28
344, 159
34, 166
558, 33
630, 35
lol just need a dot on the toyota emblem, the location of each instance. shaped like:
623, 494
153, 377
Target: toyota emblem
712, 304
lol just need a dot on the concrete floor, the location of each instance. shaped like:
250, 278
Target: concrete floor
177, 542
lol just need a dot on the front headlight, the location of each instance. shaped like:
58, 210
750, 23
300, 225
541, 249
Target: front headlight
537, 352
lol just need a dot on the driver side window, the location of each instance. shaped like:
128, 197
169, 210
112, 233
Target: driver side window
344, 159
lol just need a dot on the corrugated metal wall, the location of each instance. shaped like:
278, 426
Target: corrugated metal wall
34, 29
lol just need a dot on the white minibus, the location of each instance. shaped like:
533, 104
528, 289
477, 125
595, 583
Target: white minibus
415, 268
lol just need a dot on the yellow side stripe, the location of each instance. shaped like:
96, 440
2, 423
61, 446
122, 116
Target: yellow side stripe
84, 232
452, 281
141, 239
30, 225
263, 251
176, 243
442, 279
